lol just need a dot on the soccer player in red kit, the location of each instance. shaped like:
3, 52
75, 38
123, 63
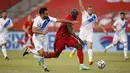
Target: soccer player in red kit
65, 36
27, 27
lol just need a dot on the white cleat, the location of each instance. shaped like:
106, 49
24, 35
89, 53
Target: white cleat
126, 58
83, 67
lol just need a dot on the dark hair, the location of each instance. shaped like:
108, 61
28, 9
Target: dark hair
122, 13
74, 10
4, 11
90, 7
42, 10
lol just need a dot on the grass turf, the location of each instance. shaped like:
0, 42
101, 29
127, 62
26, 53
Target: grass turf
115, 63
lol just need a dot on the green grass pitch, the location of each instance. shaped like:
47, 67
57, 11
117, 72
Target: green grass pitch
18, 64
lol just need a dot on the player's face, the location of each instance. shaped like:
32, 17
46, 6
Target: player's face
90, 11
122, 16
45, 15
29, 18
4, 14
74, 14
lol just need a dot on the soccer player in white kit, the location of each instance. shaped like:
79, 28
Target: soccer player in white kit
5, 25
119, 27
40, 29
86, 29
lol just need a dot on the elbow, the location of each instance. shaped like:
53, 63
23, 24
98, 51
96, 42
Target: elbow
33, 30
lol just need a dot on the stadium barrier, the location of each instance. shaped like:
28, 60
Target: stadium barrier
100, 41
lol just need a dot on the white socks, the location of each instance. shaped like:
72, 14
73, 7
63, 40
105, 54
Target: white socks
110, 46
90, 54
4, 51
125, 49
41, 60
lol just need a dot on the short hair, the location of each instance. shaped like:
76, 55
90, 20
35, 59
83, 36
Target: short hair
122, 13
4, 11
90, 7
42, 10
75, 10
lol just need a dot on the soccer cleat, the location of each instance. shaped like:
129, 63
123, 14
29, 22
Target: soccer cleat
46, 70
83, 67
72, 53
90, 62
6, 58
126, 58
26, 51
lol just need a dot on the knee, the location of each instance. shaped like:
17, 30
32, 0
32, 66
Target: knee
125, 44
78, 46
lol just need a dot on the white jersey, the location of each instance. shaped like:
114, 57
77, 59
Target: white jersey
87, 21
42, 25
4, 24
120, 26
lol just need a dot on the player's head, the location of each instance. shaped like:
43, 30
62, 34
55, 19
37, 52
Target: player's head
4, 14
90, 10
29, 18
74, 13
122, 15
43, 12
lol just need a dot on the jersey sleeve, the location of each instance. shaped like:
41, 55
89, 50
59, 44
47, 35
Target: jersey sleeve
35, 23
84, 12
96, 20
11, 23
52, 19
115, 23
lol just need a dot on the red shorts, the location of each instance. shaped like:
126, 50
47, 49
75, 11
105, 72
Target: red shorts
26, 37
69, 41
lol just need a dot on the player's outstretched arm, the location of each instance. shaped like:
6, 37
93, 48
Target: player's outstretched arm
66, 21
81, 6
70, 29
101, 27
35, 30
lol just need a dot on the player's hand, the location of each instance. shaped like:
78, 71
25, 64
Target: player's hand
45, 32
106, 32
75, 22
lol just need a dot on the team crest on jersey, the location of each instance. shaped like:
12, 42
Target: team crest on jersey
39, 25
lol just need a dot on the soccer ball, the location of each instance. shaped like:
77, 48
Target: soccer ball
101, 64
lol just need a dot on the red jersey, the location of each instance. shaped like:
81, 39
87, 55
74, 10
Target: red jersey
63, 31
29, 23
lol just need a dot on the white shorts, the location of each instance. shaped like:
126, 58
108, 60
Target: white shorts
86, 36
119, 37
3, 39
40, 43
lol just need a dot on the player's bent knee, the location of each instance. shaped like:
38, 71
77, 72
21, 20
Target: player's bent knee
41, 52
78, 46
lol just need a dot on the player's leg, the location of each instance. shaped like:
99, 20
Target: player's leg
25, 39
114, 42
4, 51
82, 37
123, 39
72, 42
57, 49
90, 52
40, 50
89, 41
3, 46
